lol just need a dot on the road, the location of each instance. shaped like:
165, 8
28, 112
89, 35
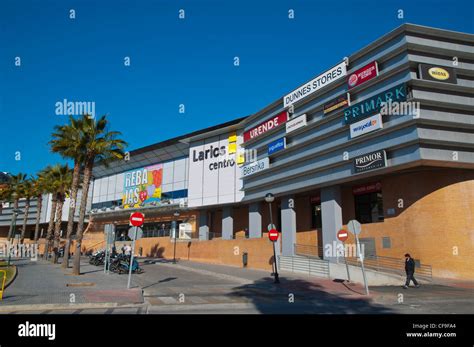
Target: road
189, 287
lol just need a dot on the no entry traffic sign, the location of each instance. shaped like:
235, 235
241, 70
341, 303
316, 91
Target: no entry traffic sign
273, 235
342, 235
137, 219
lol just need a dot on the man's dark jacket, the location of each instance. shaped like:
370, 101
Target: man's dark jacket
410, 265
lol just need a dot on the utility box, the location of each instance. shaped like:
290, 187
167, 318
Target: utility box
185, 231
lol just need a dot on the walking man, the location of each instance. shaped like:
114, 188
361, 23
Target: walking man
410, 271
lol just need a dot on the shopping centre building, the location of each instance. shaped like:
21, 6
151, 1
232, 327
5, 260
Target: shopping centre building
384, 136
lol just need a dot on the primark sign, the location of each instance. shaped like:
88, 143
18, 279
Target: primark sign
375, 103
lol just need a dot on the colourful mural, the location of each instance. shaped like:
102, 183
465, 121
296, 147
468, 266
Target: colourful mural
142, 186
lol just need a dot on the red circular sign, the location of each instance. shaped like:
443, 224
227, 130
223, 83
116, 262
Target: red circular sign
137, 219
342, 235
273, 235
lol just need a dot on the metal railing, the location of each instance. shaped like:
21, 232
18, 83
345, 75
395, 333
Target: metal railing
309, 250
392, 265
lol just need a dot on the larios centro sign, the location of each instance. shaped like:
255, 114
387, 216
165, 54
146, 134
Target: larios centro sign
326, 78
362, 75
370, 161
374, 104
265, 126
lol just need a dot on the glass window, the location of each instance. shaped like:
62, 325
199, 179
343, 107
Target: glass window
316, 221
369, 207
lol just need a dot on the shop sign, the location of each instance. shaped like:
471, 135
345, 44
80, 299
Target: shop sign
373, 104
337, 103
362, 75
277, 145
255, 167
372, 187
321, 81
437, 73
296, 123
370, 161
366, 126
266, 126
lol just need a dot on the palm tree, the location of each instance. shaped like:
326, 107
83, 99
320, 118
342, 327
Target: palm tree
68, 142
62, 183
26, 192
100, 145
16, 191
38, 190
49, 177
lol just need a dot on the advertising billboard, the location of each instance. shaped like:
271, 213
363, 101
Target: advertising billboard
142, 186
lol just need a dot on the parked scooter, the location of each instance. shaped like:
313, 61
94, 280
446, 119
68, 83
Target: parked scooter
120, 264
97, 258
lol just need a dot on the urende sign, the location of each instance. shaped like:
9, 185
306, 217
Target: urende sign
321, 81
266, 126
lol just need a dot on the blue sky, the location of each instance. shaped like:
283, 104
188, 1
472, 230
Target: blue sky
175, 61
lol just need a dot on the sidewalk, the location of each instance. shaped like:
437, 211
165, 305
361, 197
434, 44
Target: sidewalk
43, 283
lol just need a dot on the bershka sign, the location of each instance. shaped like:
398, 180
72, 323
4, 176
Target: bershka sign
337, 103
296, 123
370, 161
255, 167
267, 125
437, 73
321, 81
277, 145
366, 125
373, 104
362, 75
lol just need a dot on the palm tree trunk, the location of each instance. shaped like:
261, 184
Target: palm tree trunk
38, 216
76, 270
72, 209
10, 232
57, 228
25, 220
49, 233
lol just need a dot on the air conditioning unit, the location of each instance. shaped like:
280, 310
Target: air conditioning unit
185, 231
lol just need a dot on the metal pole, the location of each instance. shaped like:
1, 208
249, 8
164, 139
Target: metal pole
275, 271
361, 257
174, 236
106, 248
131, 258
10, 242
347, 266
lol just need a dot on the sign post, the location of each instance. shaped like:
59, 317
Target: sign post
355, 228
273, 236
136, 220
342, 236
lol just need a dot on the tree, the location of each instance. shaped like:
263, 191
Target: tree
26, 189
62, 184
49, 181
16, 191
38, 190
68, 142
100, 145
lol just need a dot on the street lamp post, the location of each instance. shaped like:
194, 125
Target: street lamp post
176, 215
269, 198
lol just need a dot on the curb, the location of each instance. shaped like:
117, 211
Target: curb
13, 278
44, 307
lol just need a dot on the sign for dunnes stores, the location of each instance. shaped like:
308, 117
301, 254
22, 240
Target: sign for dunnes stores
373, 104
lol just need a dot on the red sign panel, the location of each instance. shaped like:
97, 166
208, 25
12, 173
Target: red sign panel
137, 219
367, 188
362, 75
268, 125
342, 235
273, 235
315, 199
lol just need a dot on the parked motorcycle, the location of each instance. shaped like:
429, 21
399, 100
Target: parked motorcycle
97, 258
121, 265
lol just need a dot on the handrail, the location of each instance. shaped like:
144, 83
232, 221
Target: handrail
374, 262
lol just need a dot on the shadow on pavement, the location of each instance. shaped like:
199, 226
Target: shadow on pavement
309, 298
